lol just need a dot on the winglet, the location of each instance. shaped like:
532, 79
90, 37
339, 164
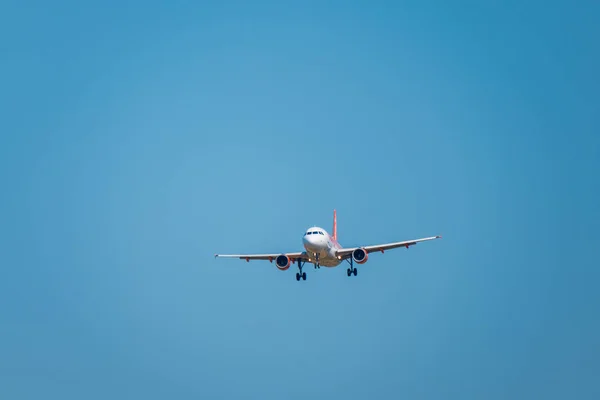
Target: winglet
438, 237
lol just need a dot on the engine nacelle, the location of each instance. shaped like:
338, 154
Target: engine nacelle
283, 262
360, 256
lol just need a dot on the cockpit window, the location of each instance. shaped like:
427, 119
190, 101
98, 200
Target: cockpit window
309, 233
321, 233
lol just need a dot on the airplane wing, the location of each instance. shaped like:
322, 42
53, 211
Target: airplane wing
270, 257
347, 252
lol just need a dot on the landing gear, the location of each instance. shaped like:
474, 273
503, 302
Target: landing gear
352, 269
301, 274
317, 261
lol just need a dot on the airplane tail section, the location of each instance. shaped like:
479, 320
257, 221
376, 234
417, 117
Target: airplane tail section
334, 225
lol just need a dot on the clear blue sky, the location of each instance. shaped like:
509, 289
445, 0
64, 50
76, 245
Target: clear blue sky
139, 138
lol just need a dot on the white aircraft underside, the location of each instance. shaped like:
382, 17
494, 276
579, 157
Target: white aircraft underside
322, 249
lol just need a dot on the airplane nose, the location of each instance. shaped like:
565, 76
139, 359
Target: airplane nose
310, 241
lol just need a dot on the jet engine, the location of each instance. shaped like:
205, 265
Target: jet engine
360, 256
283, 262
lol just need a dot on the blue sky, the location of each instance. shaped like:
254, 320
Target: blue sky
140, 138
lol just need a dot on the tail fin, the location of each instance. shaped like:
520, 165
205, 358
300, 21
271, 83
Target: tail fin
334, 225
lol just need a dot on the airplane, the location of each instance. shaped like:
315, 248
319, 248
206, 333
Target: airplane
323, 249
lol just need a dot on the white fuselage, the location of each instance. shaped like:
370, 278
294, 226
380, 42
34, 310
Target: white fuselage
317, 241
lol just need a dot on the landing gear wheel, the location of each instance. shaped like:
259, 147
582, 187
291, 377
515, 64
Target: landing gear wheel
300, 274
351, 270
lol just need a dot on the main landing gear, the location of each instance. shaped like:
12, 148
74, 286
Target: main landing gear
352, 269
301, 274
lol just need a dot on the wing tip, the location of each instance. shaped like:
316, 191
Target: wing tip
438, 237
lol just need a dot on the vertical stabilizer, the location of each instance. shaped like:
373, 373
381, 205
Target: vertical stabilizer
334, 225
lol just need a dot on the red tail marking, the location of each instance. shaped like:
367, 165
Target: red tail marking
334, 225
